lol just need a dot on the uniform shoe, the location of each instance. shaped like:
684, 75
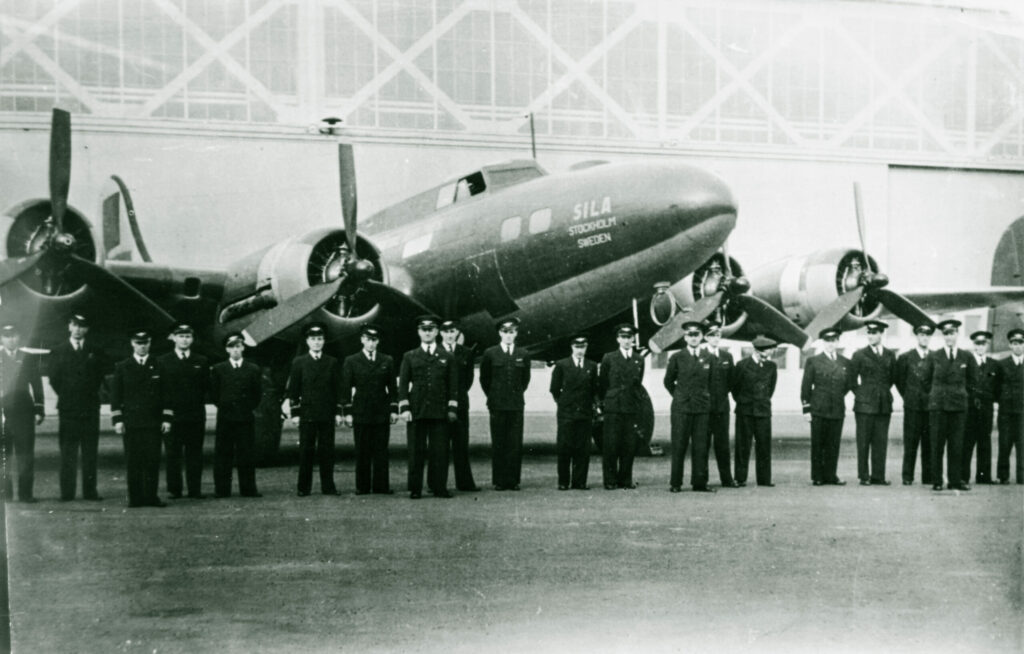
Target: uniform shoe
196, 496
731, 484
499, 487
562, 487
303, 493
908, 482
768, 485
865, 482
817, 483
362, 492
741, 484
629, 486
174, 496
1004, 482
882, 482
470, 489
936, 487
610, 487
158, 504
675, 489
703, 489
252, 494
331, 491
415, 495
584, 487
444, 494
837, 482
386, 491
515, 487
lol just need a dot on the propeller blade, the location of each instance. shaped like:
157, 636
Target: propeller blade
105, 282
858, 208
11, 269
833, 313
672, 331
725, 255
60, 165
347, 173
903, 308
290, 312
774, 322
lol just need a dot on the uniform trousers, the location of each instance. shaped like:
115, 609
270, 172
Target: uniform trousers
872, 444
947, 432
76, 433
1011, 437
506, 448
759, 430
234, 443
916, 432
316, 443
618, 447
572, 444
689, 428
826, 435
459, 431
978, 434
19, 441
718, 427
371, 441
185, 441
428, 438
142, 464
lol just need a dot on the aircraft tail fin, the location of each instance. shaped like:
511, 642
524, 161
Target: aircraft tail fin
1008, 270
110, 208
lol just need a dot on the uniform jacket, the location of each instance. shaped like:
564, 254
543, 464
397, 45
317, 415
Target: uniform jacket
574, 389
428, 384
185, 383
825, 385
910, 370
753, 387
236, 393
137, 394
722, 367
314, 388
368, 390
873, 376
465, 369
504, 378
76, 377
950, 383
1009, 387
620, 382
983, 394
688, 379
21, 383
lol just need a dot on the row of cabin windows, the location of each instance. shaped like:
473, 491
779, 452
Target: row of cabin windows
540, 221
511, 228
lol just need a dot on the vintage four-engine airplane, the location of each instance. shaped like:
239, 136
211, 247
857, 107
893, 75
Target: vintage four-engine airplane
569, 253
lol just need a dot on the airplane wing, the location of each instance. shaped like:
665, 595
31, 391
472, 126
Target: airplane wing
941, 301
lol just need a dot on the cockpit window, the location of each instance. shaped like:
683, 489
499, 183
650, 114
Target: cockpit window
502, 177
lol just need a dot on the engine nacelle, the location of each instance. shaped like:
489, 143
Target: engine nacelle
25, 228
271, 276
705, 280
801, 287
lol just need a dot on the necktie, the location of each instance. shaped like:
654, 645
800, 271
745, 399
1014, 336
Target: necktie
371, 357
77, 345
693, 352
430, 349
579, 363
236, 364
508, 350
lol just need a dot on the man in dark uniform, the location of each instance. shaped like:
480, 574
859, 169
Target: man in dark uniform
236, 390
823, 395
872, 373
754, 380
980, 409
139, 411
460, 430
620, 389
428, 390
574, 387
504, 376
722, 366
76, 370
1010, 394
951, 374
186, 375
21, 404
688, 380
314, 386
370, 401
909, 380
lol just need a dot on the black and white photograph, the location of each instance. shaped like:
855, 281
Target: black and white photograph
461, 326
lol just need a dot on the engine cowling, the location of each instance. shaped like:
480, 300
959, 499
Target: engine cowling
271, 276
26, 228
800, 287
707, 279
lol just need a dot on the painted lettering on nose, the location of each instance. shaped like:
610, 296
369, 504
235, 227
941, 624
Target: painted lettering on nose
592, 208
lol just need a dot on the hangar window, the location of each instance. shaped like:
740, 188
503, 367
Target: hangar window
417, 245
510, 228
540, 221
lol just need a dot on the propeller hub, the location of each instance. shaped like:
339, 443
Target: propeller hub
362, 270
739, 285
878, 280
64, 242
